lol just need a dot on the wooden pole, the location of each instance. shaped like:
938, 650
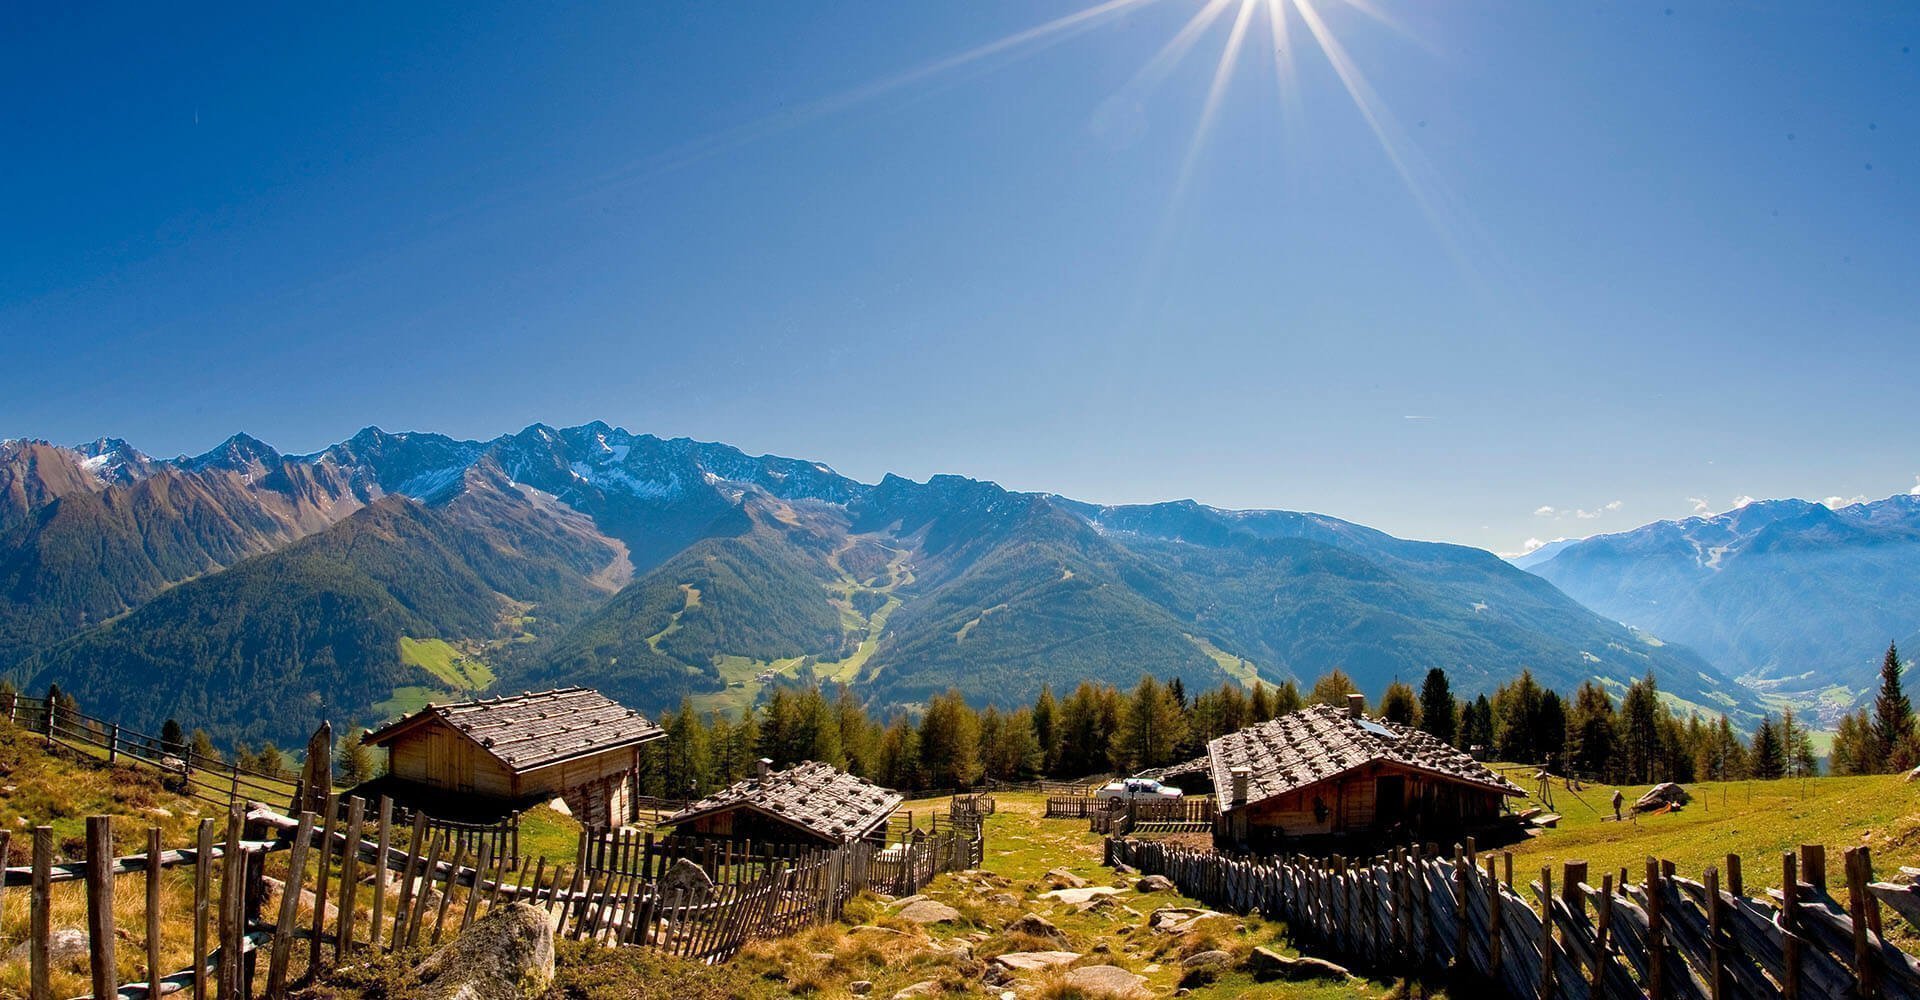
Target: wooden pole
202, 893
1603, 936
1717, 971
1656, 935
40, 916
289, 909
1790, 935
1546, 932
100, 937
350, 877
384, 842
231, 933
320, 882
154, 972
1863, 970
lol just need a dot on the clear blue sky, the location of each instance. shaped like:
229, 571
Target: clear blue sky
1638, 252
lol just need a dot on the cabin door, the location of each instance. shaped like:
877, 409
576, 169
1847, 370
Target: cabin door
1389, 800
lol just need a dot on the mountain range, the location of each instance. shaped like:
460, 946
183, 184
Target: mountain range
1792, 597
254, 592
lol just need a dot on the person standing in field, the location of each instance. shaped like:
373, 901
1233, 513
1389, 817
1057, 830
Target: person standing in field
1617, 799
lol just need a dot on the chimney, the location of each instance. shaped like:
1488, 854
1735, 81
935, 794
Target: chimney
1356, 705
1242, 775
765, 767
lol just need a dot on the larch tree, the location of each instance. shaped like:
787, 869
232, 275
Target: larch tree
1893, 728
1332, 689
1437, 708
1399, 705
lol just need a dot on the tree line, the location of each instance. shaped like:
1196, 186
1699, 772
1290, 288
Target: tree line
1634, 738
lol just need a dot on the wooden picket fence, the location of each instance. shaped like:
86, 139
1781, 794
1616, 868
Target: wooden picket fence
421, 886
1075, 806
1665, 937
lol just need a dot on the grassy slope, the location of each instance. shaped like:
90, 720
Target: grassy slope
1754, 819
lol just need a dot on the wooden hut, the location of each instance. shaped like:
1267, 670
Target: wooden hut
1326, 773
810, 804
481, 761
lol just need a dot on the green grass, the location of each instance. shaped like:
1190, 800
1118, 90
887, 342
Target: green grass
1237, 667
673, 623
453, 668
548, 834
1757, 820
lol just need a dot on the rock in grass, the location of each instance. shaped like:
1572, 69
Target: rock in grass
1034, 961
1154, 883
1265, 963
1035, 925
1060, 878
923, 988
860, 987
1108, 981
506, 955
928, 911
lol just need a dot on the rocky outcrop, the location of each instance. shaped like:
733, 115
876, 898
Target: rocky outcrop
1265, 963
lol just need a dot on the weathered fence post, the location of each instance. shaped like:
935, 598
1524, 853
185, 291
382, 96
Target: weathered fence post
40, 916
113, 743
1603, 936
1789, 930
1546, 932
1656, 934
289, 909
202, 890
1717, 972
100, 936
1864, 972
154, 971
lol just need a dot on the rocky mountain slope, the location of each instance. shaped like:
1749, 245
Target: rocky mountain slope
1794, 596
258, 591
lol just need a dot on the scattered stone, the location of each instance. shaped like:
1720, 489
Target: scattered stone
1003, 899
860, 987
1265, 963
923, 988
1034, 961
560, 806
1179, 919
505, 955
1079, 895
1035, 925
927, 911
68, 944
1215, 959
1108, 981
1125, 869
905, 900
1154, 883
270, 903
1661, 795
1060, 878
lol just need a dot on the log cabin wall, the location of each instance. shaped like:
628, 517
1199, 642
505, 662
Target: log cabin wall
436, 755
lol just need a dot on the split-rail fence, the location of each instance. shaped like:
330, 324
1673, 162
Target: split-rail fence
1664, 937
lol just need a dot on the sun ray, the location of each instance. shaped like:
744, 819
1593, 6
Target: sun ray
1033, 39
1283, 76
1381, 121
1177, 47
1222, 73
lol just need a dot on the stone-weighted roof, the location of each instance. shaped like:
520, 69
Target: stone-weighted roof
1316, 743
535, 728
818, 798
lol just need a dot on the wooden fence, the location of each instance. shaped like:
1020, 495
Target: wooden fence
353, 880
1666, 937
213, 781
1118, 817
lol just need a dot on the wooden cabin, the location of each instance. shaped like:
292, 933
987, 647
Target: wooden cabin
810, 804
1325, 773
481, 761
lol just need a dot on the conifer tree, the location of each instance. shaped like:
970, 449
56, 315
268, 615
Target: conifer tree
1399, 705
1046, 729
1436, 707
1593, 746
1150, 729
1893, 726
949, 742
1259, 703
173, 739
1286, 698
203, 749
352, 762
270, 760
1332, 688
1769, 757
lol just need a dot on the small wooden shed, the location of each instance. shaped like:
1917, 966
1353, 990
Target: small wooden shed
812, 804
1322, 772
501, 755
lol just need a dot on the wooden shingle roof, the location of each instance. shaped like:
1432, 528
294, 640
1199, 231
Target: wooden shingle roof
1316, 743
818, 798
534, 729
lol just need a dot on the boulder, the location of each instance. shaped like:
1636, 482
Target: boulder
1265, 963
1034, 961
860, 987
1035, 925
1179, 919
1154, 883
1664, 794
928, 911
686, 877
1108, 981
923, 988
1215, 959
505, 955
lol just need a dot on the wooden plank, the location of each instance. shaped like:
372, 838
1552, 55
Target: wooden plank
473, 894
403, 908
40, 916
100, 936
1790, 941
446, 895
154, 971
1857, 896
202, 901
231, 908
419, 915
282, 951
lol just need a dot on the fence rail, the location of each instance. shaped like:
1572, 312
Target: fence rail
214, 780
1665, 937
